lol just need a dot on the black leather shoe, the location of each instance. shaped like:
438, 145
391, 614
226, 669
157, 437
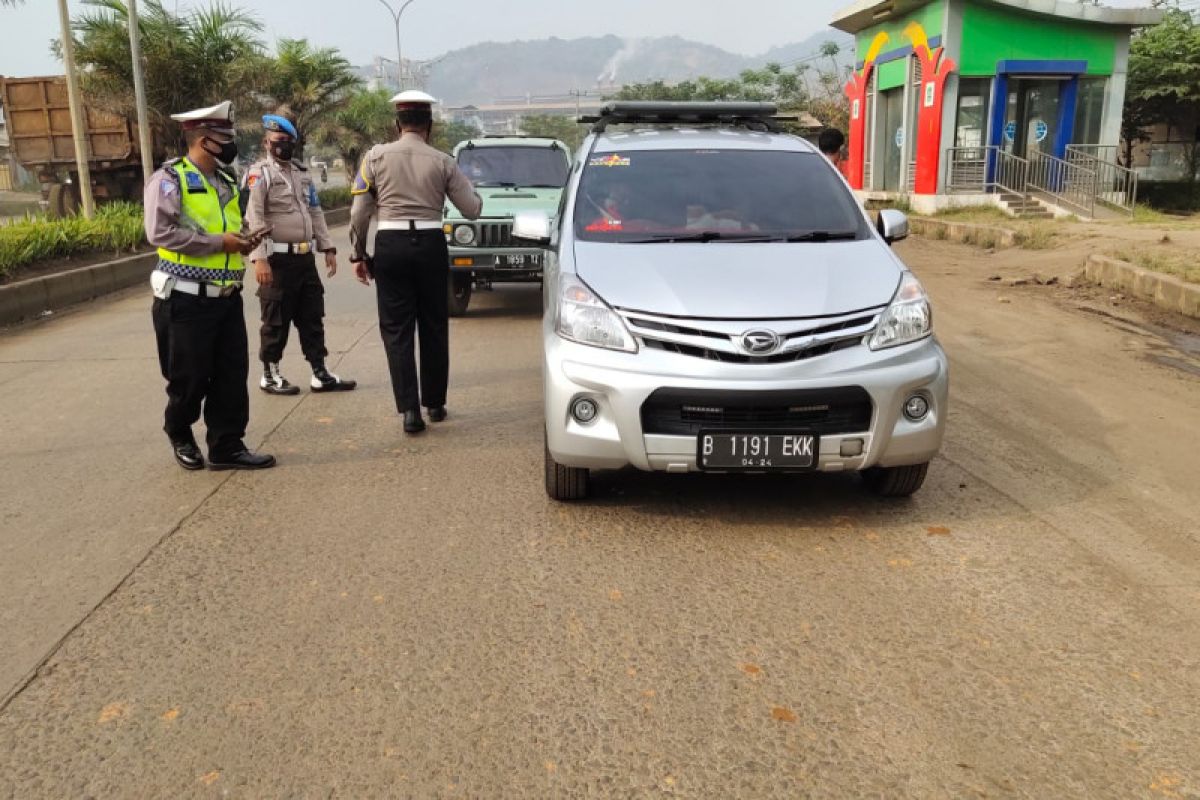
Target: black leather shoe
413, 423
437, 414
188, 455
325, 381
241, 460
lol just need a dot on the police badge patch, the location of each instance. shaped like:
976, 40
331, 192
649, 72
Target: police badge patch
195, 184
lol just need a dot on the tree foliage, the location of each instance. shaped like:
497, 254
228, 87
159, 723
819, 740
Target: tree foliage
308, 84
448, 134
367, 117
1164, 83
565, 129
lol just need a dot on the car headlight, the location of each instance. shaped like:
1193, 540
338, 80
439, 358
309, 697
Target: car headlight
464, 235
584, 318
908, 319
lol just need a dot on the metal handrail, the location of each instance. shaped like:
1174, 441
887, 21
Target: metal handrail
967, 169
1068, 184
1115, 186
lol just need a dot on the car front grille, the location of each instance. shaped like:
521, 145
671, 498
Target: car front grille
686, 412
495, 234
720, 340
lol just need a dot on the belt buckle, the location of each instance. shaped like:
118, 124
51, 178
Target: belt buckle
303, 248
226, 291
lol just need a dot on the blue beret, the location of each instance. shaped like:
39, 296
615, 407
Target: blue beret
274, 122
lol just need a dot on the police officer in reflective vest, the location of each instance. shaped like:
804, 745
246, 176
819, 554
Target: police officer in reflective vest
192, 216
283, 200
407, 182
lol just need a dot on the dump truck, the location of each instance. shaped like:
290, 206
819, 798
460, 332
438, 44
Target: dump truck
39, 127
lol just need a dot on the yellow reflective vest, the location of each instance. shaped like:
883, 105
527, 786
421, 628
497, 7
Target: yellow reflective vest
201, 210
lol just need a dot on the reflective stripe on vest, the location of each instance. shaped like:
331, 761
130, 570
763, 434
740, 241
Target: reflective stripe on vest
203, 211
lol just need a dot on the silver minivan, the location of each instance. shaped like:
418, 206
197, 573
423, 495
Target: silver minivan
717, 300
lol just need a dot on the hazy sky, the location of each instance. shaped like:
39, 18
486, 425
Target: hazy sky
362, 29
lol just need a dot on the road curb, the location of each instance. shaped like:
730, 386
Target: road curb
33, 297
1165, 291
964, 232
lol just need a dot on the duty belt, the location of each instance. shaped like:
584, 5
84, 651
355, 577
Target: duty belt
410, 225
292, 248
204, 289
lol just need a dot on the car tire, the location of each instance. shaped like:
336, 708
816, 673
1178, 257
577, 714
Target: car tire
896, 481
459, 293
564, 484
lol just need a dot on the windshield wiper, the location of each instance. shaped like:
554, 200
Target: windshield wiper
703, 237
496, 185
543, 186
822, 236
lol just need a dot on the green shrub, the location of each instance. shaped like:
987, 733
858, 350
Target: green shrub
1038, 237
337, 197
117, 227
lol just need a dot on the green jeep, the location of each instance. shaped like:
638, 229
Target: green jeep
512, 174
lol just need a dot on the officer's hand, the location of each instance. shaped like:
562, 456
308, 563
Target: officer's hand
331, 263
232, 243
262, 271
360, 272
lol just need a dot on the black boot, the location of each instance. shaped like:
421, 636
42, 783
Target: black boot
273, 382
188, 455
437, 414
413, 423
325, 381
243, 459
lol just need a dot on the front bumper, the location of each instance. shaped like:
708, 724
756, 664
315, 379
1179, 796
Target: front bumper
482, 262
620, 383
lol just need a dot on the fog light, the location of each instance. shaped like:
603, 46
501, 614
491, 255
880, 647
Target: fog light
916, 408
852, 448
584, 410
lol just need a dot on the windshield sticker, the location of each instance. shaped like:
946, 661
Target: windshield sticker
613, 160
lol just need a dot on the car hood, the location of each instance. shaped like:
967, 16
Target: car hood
510, 202
740, 280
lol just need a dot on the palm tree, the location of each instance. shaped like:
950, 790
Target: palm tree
191, 59
309, 84
366, 118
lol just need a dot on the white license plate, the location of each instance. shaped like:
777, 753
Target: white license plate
757, 451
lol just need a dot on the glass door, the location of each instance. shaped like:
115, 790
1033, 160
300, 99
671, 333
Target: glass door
1031, 119
892, 138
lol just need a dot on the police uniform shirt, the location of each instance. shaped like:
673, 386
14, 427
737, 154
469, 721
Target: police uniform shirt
284, 197
408, 180
165, 225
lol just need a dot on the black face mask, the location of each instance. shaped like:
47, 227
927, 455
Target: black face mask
226, 153
283, 150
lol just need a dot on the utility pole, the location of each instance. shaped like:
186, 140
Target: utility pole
396, 15
139, 94
77, 121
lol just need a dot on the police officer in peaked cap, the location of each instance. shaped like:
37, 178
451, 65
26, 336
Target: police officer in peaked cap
283, 200
407, 182
193, 217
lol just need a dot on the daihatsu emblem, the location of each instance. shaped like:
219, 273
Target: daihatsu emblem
760, 342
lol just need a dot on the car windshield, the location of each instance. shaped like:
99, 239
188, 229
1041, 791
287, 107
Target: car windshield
529, 167
714, 195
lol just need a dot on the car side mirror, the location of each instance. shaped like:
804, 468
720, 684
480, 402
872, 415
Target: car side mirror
533, 227
892, 225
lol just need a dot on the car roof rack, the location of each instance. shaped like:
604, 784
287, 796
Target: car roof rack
654, 112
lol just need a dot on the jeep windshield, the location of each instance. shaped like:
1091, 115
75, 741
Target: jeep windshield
528, 167
659, 196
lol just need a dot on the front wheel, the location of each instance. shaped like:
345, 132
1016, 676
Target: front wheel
896, 481
564, 484
459, 289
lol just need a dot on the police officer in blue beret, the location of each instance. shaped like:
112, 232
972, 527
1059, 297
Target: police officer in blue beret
283, 200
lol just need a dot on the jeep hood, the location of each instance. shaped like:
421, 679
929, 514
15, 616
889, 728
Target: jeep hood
741, 280
507, 202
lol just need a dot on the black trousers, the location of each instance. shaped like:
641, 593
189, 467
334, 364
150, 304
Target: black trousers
412, 269
295, 296
203, 353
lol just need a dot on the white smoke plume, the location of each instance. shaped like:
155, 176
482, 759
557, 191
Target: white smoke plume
608, 75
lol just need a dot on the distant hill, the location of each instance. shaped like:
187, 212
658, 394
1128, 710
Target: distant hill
489, 71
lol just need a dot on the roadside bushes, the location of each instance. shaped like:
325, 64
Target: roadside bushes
116, 228
338, 197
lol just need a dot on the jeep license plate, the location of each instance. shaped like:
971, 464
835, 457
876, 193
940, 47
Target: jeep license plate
757, 451
525, 261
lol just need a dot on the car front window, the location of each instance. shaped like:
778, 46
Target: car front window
528, 167
713, 195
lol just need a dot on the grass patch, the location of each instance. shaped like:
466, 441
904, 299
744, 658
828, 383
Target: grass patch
1181, 265
973, 214
338, 197
117, 227
1039, 236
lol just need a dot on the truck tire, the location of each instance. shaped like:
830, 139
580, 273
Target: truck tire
564, 484
459, 293
63, 201
896, 481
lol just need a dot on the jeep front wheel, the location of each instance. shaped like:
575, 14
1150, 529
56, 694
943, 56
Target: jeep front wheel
896, 481
459, 293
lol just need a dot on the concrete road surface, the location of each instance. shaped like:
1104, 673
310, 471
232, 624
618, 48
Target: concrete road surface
384, 616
